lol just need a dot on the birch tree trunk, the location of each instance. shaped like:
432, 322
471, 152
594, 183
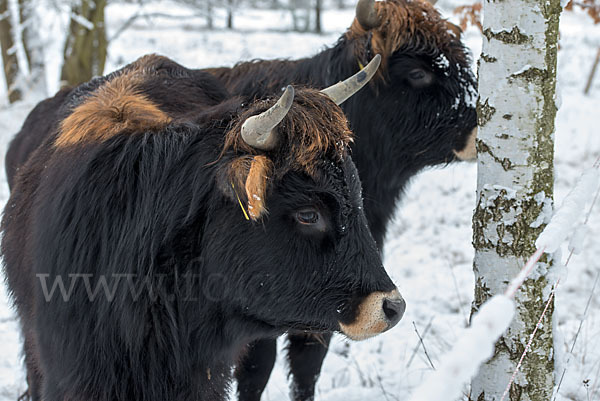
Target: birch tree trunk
516, 111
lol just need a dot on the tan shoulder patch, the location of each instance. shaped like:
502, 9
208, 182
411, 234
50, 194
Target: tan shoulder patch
116, 107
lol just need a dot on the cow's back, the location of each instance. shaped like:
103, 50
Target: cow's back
178, 91
260, 78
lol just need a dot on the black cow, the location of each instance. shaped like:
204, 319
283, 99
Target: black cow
418, 112
210, 222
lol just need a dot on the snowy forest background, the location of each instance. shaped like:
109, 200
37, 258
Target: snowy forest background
428, 252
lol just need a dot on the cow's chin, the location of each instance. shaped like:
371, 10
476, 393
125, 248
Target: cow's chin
469, 152
259, 326
279, 327
311, 327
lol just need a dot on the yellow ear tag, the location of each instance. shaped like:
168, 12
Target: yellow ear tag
240, 202
360, 65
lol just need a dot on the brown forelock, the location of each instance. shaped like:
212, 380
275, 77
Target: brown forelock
411, 24
116, 107
313, 131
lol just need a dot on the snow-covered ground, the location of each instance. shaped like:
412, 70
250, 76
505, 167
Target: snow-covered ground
428, 252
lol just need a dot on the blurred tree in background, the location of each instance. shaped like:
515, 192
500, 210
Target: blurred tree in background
86, 43
22, 49
33, 46
592, 8
9, 56
306, 14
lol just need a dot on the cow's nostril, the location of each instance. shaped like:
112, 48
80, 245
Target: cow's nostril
394, 310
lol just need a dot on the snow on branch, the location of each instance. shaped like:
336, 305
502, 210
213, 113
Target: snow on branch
475, 346
81, 20
518, 281
566, 217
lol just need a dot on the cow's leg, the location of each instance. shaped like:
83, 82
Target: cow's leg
306, 353
34, 379
253, 371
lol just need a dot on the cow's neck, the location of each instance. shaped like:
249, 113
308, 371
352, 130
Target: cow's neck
218, 344
192, 358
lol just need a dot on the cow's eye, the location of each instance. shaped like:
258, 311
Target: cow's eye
417, 74
308, 216
310, 220
419, 77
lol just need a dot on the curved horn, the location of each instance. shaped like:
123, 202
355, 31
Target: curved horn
258, 131
367, 15
341, 91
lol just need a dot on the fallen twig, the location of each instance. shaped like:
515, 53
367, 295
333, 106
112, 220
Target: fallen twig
423, 345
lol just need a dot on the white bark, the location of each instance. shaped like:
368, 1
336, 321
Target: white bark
516, 109
19, 83
28, 65
34, 49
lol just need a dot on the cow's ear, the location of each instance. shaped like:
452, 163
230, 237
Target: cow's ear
256, 185
247, 178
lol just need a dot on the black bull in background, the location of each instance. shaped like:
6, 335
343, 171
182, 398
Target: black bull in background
417, 112
155, 172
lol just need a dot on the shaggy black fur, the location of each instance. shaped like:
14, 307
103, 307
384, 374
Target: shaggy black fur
154, 212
